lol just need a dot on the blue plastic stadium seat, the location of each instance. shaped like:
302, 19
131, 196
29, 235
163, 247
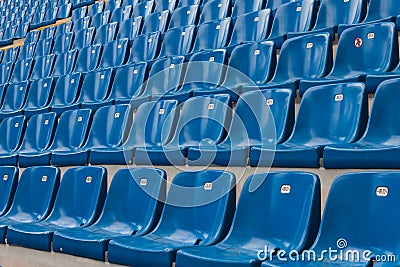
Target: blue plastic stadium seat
343, 219
11, 54
378, 148
313, 59
62, 43
242, 7
353, 62
12, 129
95, 8
83, 38
21, 30
121, 14
38, 97
202, 124
64, 11
292, 17
143, 9
78, 203
5, 72
34, 197
64, 63
156, 22
112, 5
116, 118
214, 10
81, 24
251, 27
27, 51
8, 185
130, 209
43, 47
259, 221
130, 28
88, 58
127, 85
152, 126
115, 53
212, 35
374, 80
130, 2
198, 211
106, 33
184, 16
50, 17
37, 20
79, 13
162, 5
145, 47
100, 19
47, 32
43, 67
274, 4
81, 3
262, 119
244, 68
323, 119
14, 99
32, 37
183, 3
66, 92
178, 41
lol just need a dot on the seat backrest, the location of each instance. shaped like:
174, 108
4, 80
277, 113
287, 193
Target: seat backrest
145, 47
95, 8
88, 58
242, 7
154, 124
259, 215
352, 220
100, 19
14, 98
32, 37
39, 94
313, 58
113, 4
64, 63
115, 53
121, 14
12, 130
64, 11
203, 121
130, 28
324, 114
44, 47
62, 43
8, 185
379, 10
199, 204
184, 16
81, 24
66, 89
64, 28
253, 26
11, 54
83, 38
214, 10
39, 132
43, 67
80, 196
47, 32
22, 70
183, 3
165, 76
143, 9
72, 129
212, 35
130, 2
5, 72
109, 126
356, 44
178, 41
79, 13
333, 13
128, 81
156, 22
35, 194
106, 33
162, 5
96, 86
274, 4
135, 199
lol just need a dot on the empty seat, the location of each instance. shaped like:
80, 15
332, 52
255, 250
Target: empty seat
21, 30
14, 99
156, 22
44, 47
274, 4
43, 67
292, 17
100, 19
115, 53
88, 58
323, 119
202, 123
113, 4
47, 32
162, 5
262, 119
64, 63
11, 54
32, 37
34, 197
251, 27
352, 62
116, 118
259, 211
184, 16
73, 122
62, 43
83, 38
5, 72
37, 20
121, 14
242, 7
50, 17
130, 28
8, 185
145, 47
12, 129
130, 2
123, 213
81, 24
214, 10
178, 41
183, 3
212, 35
80, 3
191, 216
38, 97
66, 92
78, 203
64, 28
106, 33
143, 9
95, 8
313, 59
27, 51
79, 13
